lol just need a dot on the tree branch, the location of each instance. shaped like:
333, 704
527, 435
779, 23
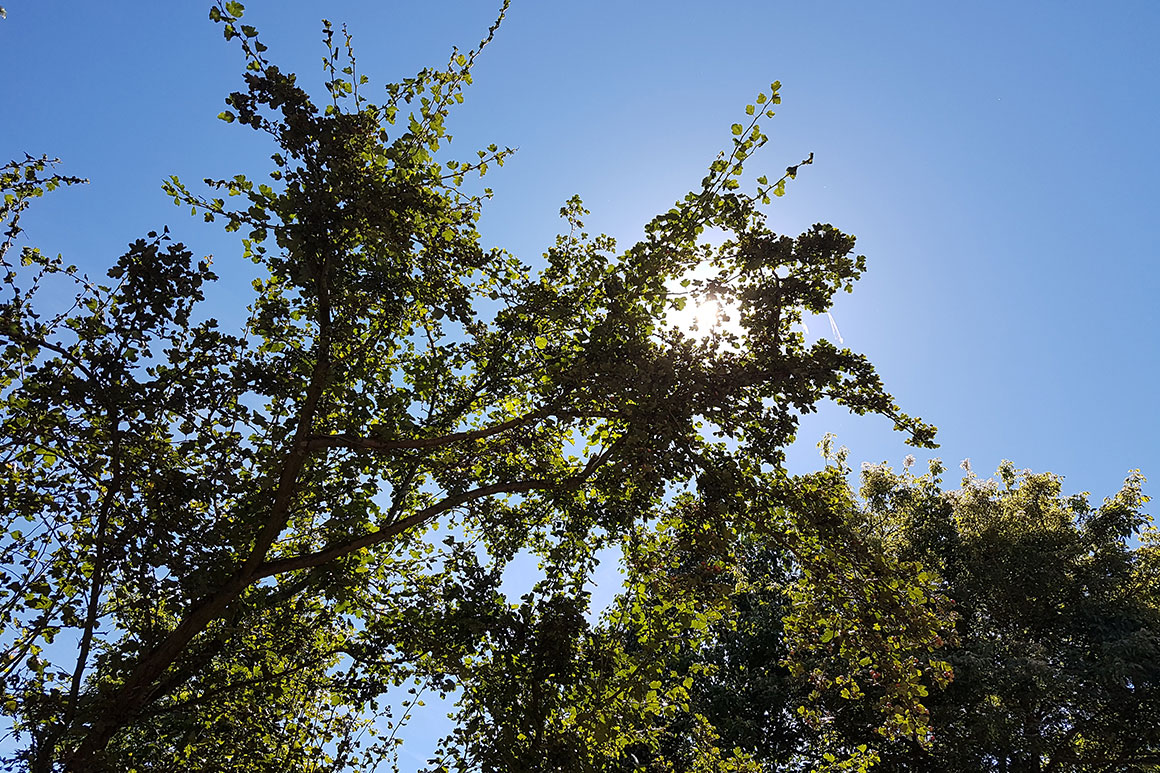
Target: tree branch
370, 539
140, 687
383, 444
23, 337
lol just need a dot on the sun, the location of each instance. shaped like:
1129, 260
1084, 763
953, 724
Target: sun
700, 319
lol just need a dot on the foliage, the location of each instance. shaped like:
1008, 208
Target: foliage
224, 550
680, 674
1059, 663
1054, 653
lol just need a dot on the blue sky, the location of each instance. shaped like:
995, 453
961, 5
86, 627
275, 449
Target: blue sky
998, 162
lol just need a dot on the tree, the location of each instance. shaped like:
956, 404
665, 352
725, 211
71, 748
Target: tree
1054, 652
745, 613
221, 547
1058, 665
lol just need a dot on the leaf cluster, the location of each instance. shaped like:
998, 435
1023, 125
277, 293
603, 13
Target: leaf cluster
241, 526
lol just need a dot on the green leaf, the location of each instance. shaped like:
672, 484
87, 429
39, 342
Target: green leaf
541, 342
737, 129
226, 116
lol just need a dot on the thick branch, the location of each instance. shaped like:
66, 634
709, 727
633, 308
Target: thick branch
137, 690
140, 687
384, 444
370, 539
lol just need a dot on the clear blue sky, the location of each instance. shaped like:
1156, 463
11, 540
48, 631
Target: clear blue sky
997, 160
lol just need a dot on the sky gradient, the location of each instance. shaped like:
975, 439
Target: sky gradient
997, 161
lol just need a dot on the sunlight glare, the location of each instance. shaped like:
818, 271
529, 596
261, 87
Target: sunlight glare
699, 320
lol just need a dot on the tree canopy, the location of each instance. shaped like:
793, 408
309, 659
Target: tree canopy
232, 548
1052, 659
